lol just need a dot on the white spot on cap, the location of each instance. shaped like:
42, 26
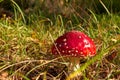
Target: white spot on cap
65, 43
76, 47
75, 54
81, 53
91, 54
88, 54
64, 40
63, 51
85, 35
69, 51
85, 41
73, 48
86, 46
79, 37
72, 54
67, 47
60, 45
76, 51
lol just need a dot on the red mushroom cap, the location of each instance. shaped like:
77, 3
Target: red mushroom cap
74, 43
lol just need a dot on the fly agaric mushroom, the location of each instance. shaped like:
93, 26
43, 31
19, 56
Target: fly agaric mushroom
76, 45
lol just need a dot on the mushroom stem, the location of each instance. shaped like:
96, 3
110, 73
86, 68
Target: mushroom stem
74, 63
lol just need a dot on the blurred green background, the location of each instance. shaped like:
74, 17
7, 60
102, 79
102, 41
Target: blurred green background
67, 8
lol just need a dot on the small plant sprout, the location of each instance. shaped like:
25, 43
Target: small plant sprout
76, 45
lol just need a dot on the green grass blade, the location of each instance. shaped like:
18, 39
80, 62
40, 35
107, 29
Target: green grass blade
19, 9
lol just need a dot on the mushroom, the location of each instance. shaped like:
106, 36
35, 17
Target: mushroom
75, 45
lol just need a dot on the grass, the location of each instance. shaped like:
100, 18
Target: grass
25, 50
